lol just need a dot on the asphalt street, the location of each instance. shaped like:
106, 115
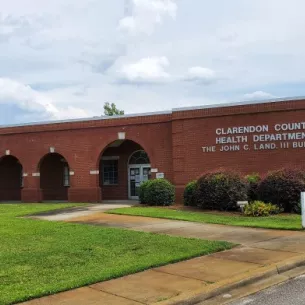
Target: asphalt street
289, 293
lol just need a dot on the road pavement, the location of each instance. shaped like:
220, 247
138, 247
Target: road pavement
289, 293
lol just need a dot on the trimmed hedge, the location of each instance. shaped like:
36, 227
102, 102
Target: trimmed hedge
253, 183
283, 188
189, 194
143, 191
221, 190
158, 192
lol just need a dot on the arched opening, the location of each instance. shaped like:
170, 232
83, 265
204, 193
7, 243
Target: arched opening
11, 179
54, 177
124, 164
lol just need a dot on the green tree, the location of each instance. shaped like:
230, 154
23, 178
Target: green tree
111, 109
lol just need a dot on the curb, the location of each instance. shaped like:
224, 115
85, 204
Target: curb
238, 281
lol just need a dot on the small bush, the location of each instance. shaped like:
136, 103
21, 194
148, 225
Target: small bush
253, 182
220, 191
143, 191
159, 192
189, 194
260, 209
283, 188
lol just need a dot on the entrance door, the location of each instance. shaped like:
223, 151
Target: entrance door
137, 175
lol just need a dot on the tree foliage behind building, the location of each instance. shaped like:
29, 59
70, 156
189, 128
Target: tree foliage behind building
111, 109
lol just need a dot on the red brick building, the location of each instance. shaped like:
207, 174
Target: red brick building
99, 159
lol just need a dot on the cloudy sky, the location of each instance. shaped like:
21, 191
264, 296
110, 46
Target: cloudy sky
64, 59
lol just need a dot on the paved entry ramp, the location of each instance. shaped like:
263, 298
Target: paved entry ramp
240, 235
70, 213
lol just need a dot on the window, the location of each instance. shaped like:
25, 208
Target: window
139, 157
66, 175
110, 172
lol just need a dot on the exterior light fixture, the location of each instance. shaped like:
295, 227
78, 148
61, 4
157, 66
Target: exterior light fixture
121, 135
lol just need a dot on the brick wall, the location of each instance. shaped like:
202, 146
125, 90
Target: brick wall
173, 142
81, 144
195, 129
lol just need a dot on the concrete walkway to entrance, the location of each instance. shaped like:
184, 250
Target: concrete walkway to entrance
259, 251
70, 213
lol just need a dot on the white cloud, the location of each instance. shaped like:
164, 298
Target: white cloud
150, 69
68, 54
146, 14
32, 101
128, 23
20, 26
258, 95
200, 74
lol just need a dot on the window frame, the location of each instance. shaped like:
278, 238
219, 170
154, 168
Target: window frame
138, 159
114, 172
66, 176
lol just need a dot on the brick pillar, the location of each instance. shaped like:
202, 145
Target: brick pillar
84, 187
31, 191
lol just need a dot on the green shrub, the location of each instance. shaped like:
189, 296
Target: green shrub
259, 209
283, 188
255, 177
143, 191
159, 192
189, 194
253, 182
220, 191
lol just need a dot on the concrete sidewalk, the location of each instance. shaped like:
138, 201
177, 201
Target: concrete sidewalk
81, 211
261, 253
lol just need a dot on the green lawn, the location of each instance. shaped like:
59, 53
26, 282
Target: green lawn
285, 222
39, 257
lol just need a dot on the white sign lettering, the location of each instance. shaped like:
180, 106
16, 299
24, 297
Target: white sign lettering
259, 137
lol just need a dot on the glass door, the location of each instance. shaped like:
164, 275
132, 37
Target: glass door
137, 175
145, 173
134, 182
